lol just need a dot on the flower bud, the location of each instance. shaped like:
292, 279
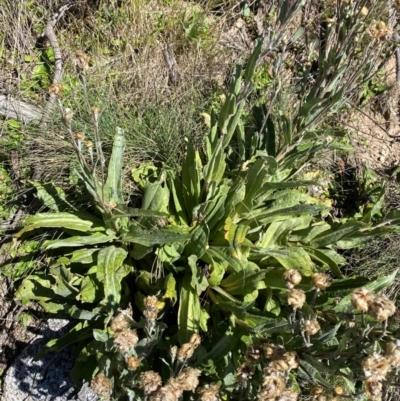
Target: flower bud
89, 144
79, 136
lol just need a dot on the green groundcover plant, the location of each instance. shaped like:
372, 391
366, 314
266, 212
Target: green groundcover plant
225, 283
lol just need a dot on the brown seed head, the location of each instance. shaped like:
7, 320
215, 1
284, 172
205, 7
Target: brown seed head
188, 379
288, 395
292, 276
101, 385
361, 298
291, 359
186, 352
316, 390
119, 322
273, 386
381, 308
273, 351
376, 366
150, 302
125, 340
95, 110
373, 389
89, 144
245, 372
209, 392
253, 353
56, 90
81, 61
132, 363
321, 281
166, 393
150, 381
195, 339
393, 354
79, 136
311, 327
296, 298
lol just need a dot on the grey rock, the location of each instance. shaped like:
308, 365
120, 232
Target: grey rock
47, 379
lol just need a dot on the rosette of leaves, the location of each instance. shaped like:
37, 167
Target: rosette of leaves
211, 241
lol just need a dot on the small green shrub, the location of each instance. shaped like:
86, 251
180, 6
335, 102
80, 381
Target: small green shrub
223, 277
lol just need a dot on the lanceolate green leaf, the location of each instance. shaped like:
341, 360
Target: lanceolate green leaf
189, 310
94, 239
111, 270
335, 234
137, 235
244, 282
112, 187
70, 221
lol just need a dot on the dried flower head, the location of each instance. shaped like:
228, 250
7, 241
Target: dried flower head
279, 365
253, 354
296, 298
209, 392
79, 136
195, 339
273, 351
81, 61
381, 308
273, 386
125, 340
288, 395
101, 384
186, 352
291, 359
361, 298
150, 314
311, 327
188, 379
56, 90
166, 393
393, 354
89, 144
380, 31
321, 281
376, 366
151, 310
245, 372
316, 390
150, 381
132, 363
330, 21
119, 322
373, 389
293, 277
150, 302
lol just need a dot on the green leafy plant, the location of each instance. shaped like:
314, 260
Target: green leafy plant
200, 276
